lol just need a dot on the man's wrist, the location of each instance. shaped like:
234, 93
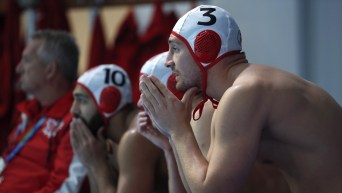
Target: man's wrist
180, 132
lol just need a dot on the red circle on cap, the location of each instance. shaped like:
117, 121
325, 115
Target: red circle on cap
207, 46
110, 98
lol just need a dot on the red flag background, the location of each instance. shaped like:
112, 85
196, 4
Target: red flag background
125, 47
10, 52
97, 49
51, 14
152, 42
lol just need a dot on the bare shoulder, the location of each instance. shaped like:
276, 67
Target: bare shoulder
242, 109
139, 163
245, 92
131, 136
133, 139
132, 142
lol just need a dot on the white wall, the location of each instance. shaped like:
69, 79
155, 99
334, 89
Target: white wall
325, 49
303, 37
269, 30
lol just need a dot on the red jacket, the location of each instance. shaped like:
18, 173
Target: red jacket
43, 164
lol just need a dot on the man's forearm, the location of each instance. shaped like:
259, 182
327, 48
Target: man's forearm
102, 180
192, 165
175, 181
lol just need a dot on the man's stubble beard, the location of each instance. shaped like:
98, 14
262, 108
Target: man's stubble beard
94, 124
184, 84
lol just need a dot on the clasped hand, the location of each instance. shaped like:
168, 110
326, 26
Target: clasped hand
90, 150
168, 114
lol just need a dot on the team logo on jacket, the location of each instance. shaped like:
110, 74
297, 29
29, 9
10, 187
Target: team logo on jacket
51, 127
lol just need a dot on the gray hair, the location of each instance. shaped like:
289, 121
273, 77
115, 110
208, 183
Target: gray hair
59, 47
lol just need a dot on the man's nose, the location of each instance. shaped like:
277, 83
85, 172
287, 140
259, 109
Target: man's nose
74, 108
169, 61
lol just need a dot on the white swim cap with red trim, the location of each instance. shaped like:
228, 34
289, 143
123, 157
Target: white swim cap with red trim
210, 32
155, 66
109, 86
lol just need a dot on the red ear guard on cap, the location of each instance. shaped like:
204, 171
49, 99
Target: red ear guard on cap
110, 98
171, 85
207, 46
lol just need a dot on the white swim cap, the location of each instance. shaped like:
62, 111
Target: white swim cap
155, 66
209, 32
109, 86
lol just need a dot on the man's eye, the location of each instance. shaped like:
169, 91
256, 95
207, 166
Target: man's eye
81, 100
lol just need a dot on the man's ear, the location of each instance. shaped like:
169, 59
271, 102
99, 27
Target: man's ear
51, 70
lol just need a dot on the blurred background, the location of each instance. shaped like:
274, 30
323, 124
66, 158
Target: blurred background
300, 36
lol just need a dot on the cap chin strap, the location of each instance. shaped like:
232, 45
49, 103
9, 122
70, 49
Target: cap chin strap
205, 97
200, 106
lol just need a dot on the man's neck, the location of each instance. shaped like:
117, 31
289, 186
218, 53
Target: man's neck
222, 75
120, 122
50, 95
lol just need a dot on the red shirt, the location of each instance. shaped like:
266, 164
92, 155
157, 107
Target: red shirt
43, 163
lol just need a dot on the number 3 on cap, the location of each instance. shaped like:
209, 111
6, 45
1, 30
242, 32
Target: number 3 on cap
212, 17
